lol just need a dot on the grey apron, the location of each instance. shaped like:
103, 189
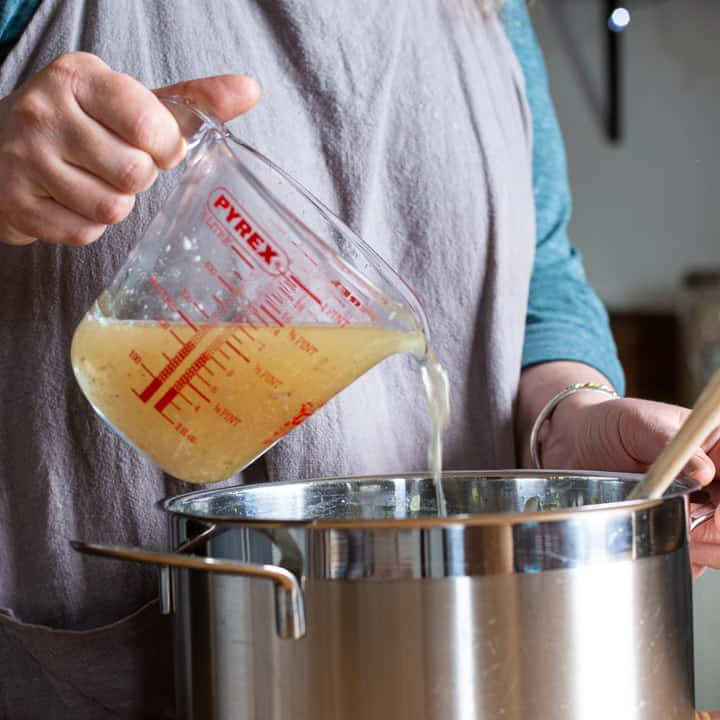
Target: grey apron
409, 119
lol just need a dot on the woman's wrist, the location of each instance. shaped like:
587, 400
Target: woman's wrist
539, 384
560, 440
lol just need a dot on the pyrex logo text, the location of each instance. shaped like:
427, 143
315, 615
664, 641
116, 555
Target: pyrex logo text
248, 236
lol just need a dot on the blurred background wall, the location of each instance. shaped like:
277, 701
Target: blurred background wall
647, 208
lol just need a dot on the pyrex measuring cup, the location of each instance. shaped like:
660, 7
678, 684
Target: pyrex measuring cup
244, 307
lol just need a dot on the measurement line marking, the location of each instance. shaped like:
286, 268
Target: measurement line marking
175, 405
163, 415
200, 377
166, 356
276, 320
302, 287
147, 369
192, 387
186, 319
242, 329
260, 318
214, 359
237, 352
200, 310
223, 353
226, 283
241, 256
180, 395
176, 336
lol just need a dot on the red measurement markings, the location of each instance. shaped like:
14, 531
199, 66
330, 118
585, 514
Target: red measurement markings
200, 310
165, 325
187, 320
244, 331
266, 376
305, 411
162, 293
346, 293
202, 379
303, 343
173, 364
223, 353
241, 256
184, 431
236, 351
147, 369
305, 289
180, 395
227, 415
225, 283
273, 317
219, 364
335, 315
274, 302
256, 312
165, 417
194, 389
193, 371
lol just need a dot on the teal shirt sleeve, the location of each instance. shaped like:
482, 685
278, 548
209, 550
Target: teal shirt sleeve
565, 318
14, 17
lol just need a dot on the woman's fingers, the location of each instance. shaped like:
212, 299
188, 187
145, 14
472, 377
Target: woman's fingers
49, 220
85, 194
127, 108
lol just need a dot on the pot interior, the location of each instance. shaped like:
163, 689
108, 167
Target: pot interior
409, 497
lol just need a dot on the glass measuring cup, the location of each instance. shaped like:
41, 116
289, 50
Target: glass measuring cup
243, 308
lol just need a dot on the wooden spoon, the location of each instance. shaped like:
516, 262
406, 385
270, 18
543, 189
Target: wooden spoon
698, 425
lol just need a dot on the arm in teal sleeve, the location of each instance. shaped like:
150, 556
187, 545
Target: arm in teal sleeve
14, 17
565, 318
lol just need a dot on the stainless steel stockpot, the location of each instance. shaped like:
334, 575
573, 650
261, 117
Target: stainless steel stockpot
542, 595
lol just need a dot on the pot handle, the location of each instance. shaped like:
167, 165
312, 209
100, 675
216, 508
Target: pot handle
701, 516
289, 603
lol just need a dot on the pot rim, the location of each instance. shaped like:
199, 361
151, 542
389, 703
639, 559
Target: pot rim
681, 488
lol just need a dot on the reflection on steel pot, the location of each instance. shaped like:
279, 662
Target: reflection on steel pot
578, 608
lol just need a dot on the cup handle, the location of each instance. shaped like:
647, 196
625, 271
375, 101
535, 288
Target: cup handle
289, 601
193, 122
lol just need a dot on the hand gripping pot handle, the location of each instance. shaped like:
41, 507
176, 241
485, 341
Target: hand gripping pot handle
289, 602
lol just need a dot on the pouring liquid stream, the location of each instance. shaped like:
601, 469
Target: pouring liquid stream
437, 389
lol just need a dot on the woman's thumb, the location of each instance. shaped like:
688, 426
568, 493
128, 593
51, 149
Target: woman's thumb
222, 96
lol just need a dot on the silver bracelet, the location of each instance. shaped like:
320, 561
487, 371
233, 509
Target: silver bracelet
548, 410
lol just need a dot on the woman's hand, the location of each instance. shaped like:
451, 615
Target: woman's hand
78, 141
589, 431
627, 435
